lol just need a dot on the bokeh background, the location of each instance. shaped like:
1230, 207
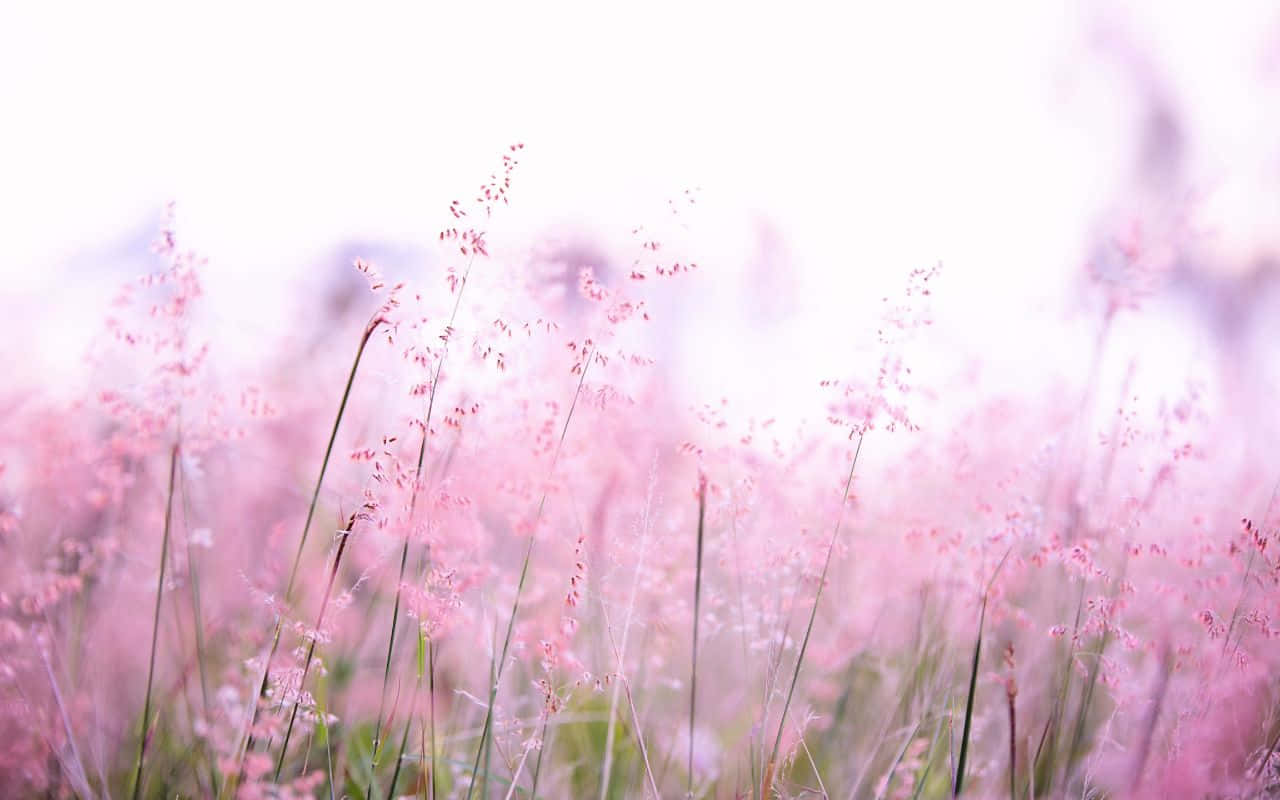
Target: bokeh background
835, 148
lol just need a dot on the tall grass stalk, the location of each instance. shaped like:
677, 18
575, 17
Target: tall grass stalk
322, 717
486, 728
155, 625
973, 683
897, 760
1048, 745
369, 330
635, 716
697, 612
431, 711
193, 574
771, 765
315, 634
1151, 718
404, 742
752, 763
882, 734
423, 656
968, 704
515, 776
252, 720
75, 771
1013, 746
606, 770
537, 764
1095, 670
923, 777
413, 505
1086, 703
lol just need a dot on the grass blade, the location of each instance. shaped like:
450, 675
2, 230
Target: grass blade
373, 325
697, 606
311, 648
973, 682
155, 626
968, 705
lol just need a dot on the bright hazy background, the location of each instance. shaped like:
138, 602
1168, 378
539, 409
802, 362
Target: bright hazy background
836, 146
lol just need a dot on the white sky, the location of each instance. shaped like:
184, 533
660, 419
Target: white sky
878, 136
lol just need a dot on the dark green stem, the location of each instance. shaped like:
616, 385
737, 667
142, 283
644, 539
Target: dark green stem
155, 626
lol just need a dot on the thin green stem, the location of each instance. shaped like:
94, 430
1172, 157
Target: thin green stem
328, 453
537, 765
413, 505
311, 648
198, 620
155, 626
771, 766
373, 325
697, 608
485, 730
973, 681
431, 710
968, 704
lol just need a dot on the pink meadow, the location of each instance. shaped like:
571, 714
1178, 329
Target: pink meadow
471, 525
